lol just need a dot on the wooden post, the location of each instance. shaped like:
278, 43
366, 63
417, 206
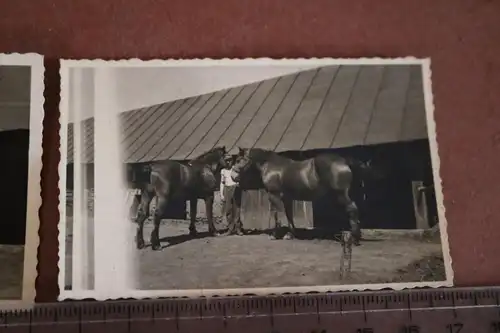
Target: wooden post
420, 205
308, 214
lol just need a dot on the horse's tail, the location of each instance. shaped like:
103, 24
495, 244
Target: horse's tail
139, 199
133, 203
138, 178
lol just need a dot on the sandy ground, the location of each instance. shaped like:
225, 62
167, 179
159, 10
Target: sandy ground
11, 275
256, 261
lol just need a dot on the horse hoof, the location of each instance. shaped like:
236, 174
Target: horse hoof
289, 236
273, 237
140, 245
193, 232
156, 247
213, 233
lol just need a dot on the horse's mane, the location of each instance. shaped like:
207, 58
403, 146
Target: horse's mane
261, 154
206, 156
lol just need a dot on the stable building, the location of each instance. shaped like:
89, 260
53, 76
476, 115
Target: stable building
373, 113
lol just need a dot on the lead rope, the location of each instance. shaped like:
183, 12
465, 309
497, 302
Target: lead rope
346, 243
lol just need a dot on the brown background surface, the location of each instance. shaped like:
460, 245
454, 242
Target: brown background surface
460, 36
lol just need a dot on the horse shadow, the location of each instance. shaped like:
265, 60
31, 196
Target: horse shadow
179, 239
300, 234
309, 234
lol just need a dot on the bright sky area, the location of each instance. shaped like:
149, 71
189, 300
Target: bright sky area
137, 87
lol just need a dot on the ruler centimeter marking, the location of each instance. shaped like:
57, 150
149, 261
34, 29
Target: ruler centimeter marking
451, 310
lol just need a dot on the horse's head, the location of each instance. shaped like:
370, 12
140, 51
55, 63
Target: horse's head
220, 154
214, 159
242, 164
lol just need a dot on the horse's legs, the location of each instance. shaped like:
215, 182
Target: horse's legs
161, 205
288, 204
143, 214
193, 209
276, 203
352, 211
209, 210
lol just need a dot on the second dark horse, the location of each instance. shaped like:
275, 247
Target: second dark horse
170, 180
286, 180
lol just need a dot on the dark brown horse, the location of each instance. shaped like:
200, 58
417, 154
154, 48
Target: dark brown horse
286, 180
171, 180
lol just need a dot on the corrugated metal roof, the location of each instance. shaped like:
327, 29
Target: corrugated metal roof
328, 107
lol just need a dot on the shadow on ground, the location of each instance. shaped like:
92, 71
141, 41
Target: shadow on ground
300, 234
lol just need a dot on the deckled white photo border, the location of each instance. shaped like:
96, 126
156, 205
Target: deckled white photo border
66, 64
34, 199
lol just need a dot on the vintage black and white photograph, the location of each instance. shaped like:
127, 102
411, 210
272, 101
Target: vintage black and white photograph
21, 117
249, 176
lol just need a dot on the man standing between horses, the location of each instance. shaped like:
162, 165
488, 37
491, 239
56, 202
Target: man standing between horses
230, 192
